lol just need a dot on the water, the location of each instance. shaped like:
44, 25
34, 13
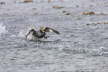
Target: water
79, 48
2, 29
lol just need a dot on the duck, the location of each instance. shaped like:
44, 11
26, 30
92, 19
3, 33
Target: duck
40, 34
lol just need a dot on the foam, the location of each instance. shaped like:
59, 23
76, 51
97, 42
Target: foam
2, 29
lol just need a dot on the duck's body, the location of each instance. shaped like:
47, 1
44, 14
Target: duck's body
37, 35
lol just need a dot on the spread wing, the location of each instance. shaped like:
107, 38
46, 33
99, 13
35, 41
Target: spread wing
51, 30
32, 32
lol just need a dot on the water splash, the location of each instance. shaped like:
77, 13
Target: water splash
2, 29
23, 32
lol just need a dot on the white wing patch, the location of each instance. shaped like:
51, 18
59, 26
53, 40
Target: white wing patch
50, 30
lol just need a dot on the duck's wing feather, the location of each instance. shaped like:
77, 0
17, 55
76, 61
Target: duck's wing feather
51, 30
